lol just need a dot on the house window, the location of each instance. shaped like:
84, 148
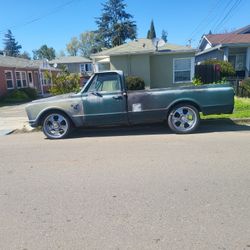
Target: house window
9, 79
18, 80
238, 61
21, 79
30, 79
87, 67
24, 79
46, 80
183, 70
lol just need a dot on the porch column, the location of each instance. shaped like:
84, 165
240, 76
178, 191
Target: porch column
248, 62
226, 52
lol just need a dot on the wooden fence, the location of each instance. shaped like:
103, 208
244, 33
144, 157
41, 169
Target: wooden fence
207, 73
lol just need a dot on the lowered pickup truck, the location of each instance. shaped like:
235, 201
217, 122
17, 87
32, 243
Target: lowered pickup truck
105, 101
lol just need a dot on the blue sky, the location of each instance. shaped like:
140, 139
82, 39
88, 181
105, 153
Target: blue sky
35, 23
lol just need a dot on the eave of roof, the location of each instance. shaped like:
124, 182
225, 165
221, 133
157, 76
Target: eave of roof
142, 46
70, 59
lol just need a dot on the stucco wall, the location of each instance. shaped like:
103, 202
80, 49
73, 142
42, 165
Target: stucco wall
120, 63
156, 70
161, 69
136, 65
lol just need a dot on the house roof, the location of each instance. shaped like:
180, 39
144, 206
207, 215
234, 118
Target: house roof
16, 62
141, 46
70, 59
228, 38
243, 30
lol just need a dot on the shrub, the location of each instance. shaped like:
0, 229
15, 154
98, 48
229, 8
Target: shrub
30, 92
135, 83
197, 81
226, 68
63, 83
16, 96
246, 84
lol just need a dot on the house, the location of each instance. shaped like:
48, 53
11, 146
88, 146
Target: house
74, 64
160, 66
233, 47
18, 73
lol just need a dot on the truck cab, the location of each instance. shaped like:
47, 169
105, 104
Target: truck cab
105, 100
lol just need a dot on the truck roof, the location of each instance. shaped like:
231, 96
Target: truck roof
120, 72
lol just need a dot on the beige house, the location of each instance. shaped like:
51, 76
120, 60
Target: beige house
159, 66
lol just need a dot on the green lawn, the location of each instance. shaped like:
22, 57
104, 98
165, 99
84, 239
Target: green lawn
241, 110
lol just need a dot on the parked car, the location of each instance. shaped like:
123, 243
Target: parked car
105, 100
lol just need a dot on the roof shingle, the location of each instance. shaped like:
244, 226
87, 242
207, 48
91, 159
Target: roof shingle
228, 38
16, 62
70, 59
141, 46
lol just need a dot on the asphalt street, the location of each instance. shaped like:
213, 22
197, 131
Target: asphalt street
127, 188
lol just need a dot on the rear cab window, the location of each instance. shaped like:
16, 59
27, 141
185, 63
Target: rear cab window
108, 82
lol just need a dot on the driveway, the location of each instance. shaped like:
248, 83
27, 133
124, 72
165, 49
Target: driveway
140, 188
13, 117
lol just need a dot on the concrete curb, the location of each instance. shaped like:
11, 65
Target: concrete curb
227, 120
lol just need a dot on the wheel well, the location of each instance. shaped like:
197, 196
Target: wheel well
184, 102
42, 116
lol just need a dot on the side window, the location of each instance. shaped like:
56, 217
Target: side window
105, 83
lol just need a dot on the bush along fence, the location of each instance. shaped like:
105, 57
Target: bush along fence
216, 71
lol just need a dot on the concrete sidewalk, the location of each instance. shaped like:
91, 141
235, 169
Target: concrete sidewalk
13, 118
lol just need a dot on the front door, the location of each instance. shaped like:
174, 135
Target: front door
104, 102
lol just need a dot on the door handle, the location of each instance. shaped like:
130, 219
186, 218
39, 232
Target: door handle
118, 97
96, 94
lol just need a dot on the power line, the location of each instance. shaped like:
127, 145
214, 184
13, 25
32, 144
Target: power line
206, 19
57, 9
233, 7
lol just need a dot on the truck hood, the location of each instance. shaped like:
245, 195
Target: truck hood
55, 98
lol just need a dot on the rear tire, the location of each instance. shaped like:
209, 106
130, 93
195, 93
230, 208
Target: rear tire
183, 119
56, 125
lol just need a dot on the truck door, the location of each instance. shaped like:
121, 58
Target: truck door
104, 102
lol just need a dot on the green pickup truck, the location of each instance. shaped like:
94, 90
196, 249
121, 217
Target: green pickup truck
105, 101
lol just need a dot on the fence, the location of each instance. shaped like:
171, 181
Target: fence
208, 73
239, 90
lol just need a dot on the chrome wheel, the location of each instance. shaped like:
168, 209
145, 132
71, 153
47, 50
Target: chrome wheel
56, 126
183, 119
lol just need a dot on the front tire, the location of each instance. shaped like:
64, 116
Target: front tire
183, 119
56, 125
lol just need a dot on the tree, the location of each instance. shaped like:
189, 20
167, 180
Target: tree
151, 33
11, 47
73, 46
25, 55
61, 53
115, 25
164, 35
44, 53
64, 82
88, 43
